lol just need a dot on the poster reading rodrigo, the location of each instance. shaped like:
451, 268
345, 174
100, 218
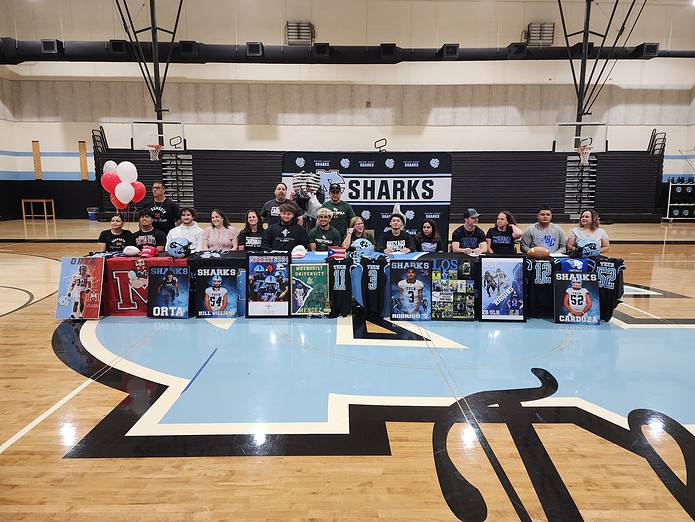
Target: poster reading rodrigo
410, 290
216, 291
168, 292
309, 289
502, 293
453, 289
268, 285
80, 288
576, 298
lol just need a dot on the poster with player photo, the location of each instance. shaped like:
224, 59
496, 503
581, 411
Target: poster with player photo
80, 288
268, 285
502, 292
453, 289
216, 291
576, 298
411, 290
309, 289
168, 292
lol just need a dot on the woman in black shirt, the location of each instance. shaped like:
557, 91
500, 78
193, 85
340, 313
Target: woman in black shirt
251, 237
428, 239
500, 238
116, 239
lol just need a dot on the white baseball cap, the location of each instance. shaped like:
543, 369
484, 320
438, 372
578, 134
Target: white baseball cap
131, 250
298, 252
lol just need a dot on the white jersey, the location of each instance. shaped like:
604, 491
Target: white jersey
410, 295
215, 297
577, 299
81, 283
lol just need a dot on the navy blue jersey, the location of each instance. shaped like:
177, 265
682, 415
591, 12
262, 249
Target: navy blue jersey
539, 287
610, 284
374, 284
340, 284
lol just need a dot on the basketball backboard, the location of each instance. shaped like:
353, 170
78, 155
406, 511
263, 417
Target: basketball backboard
568, 136
169, 134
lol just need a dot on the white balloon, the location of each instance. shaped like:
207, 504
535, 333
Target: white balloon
127, 172
110, 166
124, 192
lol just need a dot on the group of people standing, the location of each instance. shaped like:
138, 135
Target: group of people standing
280, 225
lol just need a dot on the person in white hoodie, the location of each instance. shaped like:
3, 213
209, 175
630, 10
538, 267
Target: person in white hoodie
188, 229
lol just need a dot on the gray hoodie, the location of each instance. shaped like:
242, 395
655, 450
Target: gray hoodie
553, 238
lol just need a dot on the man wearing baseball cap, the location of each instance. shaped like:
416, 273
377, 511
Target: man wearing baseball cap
342, 210
469, 238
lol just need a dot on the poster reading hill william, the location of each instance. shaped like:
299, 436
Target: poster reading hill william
168, 292
80, 288
309, 288
502, 293
268, 285
576, 298
410, 290
374, 183
453, 289
216, 291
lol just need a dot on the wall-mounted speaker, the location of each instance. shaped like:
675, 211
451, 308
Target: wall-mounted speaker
51, 47
450, 51
118, 47
322, 50
387, 51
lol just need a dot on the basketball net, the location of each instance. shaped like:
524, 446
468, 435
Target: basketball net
584, 152
154, 152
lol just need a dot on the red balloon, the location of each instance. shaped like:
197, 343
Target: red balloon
117, 203
109, 181
140, 191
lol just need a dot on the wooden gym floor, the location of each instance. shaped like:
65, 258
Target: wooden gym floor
47, 409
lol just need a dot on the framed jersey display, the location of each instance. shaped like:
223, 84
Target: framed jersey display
80, 288
411, 290
502, 289
576, 298
453, 288
268, 285
216, 291
309, 289
168, 292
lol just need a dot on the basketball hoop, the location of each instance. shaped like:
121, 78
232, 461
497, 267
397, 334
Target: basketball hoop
154, 152
584, 152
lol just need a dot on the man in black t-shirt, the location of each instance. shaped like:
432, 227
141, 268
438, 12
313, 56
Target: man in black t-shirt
148, 235
469, 238
164, 210
285, 234
374, 284
340, 284
396, 239
271, 209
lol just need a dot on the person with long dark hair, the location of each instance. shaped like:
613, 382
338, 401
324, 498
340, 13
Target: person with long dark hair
251, 236
220, 236
428, 239
500, 238
117, 238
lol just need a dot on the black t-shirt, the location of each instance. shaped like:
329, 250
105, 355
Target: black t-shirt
610, 284
373, 284
388, 240
502, 242
341, 286
116, 243
154, 237
252, 241
285, 237
468, 239
423, 244
166, 214
539, 287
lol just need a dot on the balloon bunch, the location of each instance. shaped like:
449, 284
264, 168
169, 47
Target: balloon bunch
121, 182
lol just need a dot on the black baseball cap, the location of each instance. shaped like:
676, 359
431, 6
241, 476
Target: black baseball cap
470, 212
335, 186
